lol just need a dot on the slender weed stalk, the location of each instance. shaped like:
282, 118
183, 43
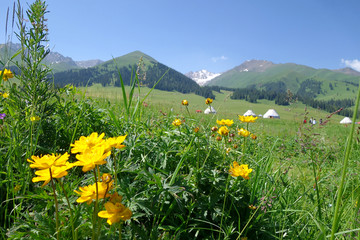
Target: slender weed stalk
337, 214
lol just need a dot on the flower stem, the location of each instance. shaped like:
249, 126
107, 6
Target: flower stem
71, 212
120, 229
56, 205
223, 208
95, 216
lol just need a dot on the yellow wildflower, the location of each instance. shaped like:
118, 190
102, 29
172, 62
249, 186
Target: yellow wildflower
196, 130
17, 188
223, 131
5, 95
252, 207
208, 101
6, 74
226, 122
90, 159
56, 172
176, 122
88, 193
106, 178
115, 210
253, 136
214, 129
34, 118
86, 144
115, 142
240, 170
243, 132
47, 161
247, 119
185, 102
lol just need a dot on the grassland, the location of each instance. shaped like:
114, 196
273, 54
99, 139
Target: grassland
91, 165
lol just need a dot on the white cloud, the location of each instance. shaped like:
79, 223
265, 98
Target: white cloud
215, 59
354, 64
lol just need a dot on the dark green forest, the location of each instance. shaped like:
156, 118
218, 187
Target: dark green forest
171, 79
306, 94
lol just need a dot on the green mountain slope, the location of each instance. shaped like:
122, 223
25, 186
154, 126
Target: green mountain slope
150, 71
334, 84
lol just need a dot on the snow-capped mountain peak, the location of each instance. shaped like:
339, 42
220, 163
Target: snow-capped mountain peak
201, 77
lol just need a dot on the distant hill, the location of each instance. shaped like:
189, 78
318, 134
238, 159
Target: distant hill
55, 60
266, 75
149, 71
348, 71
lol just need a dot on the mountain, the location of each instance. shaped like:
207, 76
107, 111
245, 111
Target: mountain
202, 77
348, 71
149, 71
55, 60
269, 76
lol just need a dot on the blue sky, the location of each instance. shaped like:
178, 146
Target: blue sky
190, 35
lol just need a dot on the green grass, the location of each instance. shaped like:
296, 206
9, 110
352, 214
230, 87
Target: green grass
177, 182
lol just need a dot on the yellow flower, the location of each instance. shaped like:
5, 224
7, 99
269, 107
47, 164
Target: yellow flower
106, 178
176, 122
88, 193
214, 129
47, 161
34, 118
208, 101
240, 170
6, 74
243, 132
196, 130
223, 131
247, 119
56, 172
90, 159
85, 144
115, 210
253, 136
252, 207
115, 142
226, 122
185, 102
5, 95
228, 150
17, 188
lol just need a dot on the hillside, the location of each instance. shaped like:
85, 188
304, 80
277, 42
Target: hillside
149, 71
261, 74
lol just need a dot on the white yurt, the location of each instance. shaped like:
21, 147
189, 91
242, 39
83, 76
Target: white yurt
249, 113
271, 113
210, 110
346, 120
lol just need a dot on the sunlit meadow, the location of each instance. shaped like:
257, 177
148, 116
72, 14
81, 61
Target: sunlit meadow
119, 163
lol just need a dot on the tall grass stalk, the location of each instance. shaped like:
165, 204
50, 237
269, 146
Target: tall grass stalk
127, 101
337, 214
56, 204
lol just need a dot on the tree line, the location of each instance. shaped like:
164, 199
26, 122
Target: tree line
106, 76
306, 94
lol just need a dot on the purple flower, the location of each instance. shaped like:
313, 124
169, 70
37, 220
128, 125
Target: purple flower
2, 115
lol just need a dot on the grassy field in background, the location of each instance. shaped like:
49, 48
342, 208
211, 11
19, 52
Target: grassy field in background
290, 120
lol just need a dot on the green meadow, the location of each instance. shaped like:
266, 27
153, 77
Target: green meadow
138, 163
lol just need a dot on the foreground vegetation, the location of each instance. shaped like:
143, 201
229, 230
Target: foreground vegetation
126, 167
